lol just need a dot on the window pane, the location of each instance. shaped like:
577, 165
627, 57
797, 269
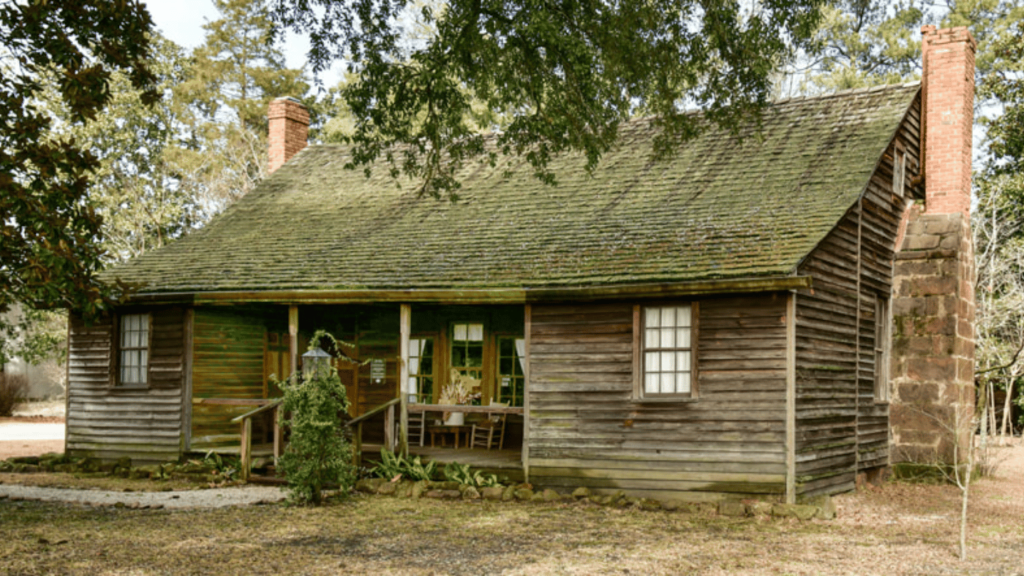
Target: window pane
651, 383
476, 332
651, 338
414, 347
683, 361
668, 362
668, 383
683, 382
668, 338
683, 337
475, 355
458, 356
668, 317
460, 332
651, 317
505, 365
505, 347
683, 316
651, 362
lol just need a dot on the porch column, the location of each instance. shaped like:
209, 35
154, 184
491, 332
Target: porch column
405, 320
527, 321
293, 339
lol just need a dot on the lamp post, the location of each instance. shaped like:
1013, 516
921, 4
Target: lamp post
315, 363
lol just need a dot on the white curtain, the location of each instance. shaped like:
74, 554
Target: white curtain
411, 387
521, 353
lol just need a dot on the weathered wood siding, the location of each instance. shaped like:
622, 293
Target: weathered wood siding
227, 362
109, 422
585, 428
841, 429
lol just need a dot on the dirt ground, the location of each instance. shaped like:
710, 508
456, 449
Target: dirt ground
895, 529
19, 436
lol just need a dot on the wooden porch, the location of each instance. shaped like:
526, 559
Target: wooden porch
499, 462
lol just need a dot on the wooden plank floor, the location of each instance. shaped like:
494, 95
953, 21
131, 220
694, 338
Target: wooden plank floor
475, 457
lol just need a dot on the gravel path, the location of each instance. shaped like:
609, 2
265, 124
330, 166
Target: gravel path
212, 498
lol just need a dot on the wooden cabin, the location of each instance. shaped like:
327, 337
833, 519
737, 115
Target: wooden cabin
706, 326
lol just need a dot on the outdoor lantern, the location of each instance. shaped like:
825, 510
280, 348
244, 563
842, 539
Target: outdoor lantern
315, 362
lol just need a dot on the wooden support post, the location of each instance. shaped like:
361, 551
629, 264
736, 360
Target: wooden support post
246, 451
357, 446
293, 339
405, 321
278, 440
791, 398
389, 428
527, 320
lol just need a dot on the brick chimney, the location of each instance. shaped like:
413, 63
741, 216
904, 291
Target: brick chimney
933, 272
948, 84
289, 131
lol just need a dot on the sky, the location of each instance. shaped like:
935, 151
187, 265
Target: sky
182, 22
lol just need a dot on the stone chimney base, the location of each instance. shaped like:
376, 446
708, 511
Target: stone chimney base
933, 340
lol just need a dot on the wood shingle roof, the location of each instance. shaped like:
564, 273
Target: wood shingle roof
718, 209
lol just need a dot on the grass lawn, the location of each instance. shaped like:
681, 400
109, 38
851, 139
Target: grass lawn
897, 529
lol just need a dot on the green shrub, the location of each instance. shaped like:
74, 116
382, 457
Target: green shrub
464, 474
318, 453
394, 465
12, 392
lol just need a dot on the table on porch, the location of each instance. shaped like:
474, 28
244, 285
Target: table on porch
450, 429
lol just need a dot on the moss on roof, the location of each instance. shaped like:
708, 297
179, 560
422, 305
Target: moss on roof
720, 208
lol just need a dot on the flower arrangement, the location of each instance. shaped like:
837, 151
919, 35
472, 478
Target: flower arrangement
460, 391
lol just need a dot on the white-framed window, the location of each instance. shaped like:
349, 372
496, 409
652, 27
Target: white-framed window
882, 345
664, 351
133, 350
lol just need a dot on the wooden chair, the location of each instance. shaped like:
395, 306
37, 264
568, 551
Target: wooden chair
417, 427
490, 432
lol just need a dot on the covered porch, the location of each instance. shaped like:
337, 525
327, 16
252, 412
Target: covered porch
404, 355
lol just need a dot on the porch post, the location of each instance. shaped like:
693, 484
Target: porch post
527, 320
791, 398
293, 339
405, 319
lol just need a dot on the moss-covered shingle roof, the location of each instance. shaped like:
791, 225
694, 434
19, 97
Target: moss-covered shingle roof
718, 209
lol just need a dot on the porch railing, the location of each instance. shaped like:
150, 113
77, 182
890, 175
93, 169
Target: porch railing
246, 421
389, 428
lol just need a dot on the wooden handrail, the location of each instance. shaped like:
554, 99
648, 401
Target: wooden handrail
389, 428
465, 408
245, 451
259, 410
233, 401
376, 410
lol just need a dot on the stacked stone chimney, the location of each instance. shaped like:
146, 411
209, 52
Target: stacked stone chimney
289, 131
933, 275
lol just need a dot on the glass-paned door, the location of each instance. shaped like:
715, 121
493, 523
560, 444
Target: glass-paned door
511, 351
467, 345
420, 386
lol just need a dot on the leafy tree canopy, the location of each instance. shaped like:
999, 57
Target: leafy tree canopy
564, 74
49, 253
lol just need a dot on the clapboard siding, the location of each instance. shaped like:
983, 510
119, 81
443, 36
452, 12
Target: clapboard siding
227, 362
585, 428
109, 422
841, 430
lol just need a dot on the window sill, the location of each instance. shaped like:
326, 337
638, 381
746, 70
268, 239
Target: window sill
674, 400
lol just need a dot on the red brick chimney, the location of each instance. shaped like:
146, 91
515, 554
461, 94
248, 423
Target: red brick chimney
932, 368
948, 83
289, 131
